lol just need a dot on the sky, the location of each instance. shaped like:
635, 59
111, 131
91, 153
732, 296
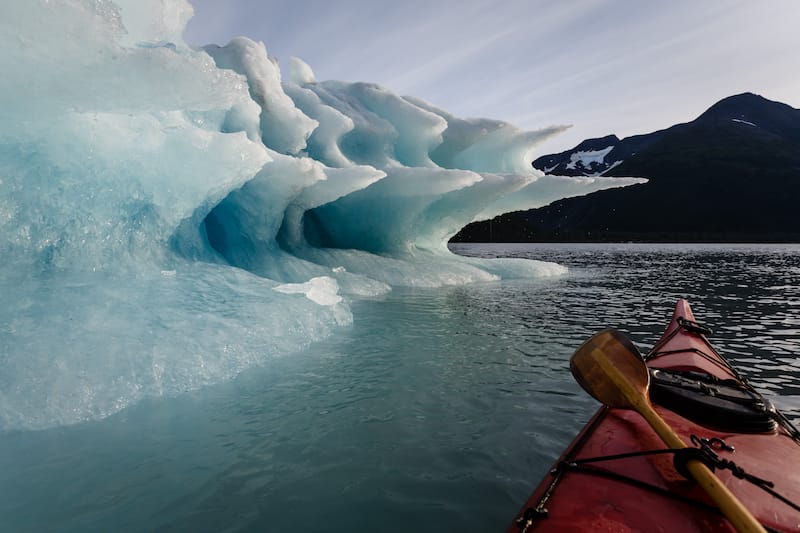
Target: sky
602, 66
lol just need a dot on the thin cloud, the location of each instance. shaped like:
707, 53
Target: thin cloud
622, 66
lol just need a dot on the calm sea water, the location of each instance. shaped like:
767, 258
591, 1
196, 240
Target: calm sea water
437, 411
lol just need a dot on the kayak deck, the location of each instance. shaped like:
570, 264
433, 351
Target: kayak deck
589, 491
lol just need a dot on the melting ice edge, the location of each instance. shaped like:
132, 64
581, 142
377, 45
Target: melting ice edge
170, 216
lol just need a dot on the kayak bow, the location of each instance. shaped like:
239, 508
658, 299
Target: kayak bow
617, 474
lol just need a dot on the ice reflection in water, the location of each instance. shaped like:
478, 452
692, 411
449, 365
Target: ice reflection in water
436, 411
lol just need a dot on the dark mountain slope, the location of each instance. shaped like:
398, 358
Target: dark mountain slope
733, 174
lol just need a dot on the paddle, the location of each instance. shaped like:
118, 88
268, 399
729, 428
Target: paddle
610, 368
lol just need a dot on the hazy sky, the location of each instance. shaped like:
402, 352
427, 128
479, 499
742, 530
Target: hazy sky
604, 66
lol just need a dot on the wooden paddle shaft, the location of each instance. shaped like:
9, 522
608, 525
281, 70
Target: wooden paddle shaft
731, 507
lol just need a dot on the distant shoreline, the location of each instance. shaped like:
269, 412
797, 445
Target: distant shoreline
623, 240
480, 232
667, 243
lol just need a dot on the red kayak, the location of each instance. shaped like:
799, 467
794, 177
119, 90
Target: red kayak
617, 475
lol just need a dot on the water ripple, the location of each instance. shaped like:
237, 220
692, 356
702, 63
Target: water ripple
437, 411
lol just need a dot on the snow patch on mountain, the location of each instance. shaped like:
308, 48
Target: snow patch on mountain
587, 158
611, 166
591, 158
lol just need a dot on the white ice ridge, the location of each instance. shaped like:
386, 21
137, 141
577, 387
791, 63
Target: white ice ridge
157, 202
321, 290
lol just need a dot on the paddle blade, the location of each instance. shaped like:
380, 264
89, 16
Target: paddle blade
610, 368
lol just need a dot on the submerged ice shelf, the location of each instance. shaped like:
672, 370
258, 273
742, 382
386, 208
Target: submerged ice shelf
170, 216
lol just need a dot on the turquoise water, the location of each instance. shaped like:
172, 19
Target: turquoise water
437, 410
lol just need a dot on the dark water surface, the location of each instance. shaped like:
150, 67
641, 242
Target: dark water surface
437, 411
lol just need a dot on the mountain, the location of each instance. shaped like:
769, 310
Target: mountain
732, 174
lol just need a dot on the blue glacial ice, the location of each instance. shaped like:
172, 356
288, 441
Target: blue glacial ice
171, 216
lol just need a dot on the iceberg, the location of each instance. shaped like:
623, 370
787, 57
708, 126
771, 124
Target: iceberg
170, 216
